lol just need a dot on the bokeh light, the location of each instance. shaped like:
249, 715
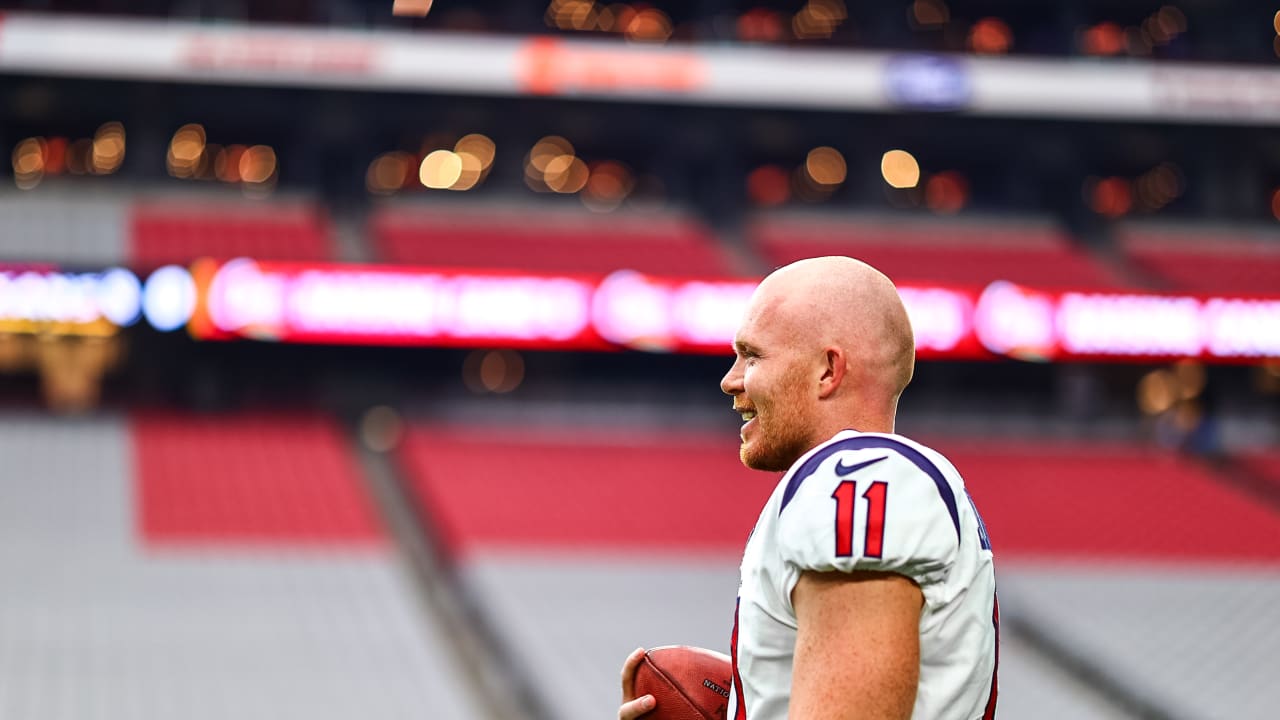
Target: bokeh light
900, 169
825, 166
818, 19
566, 174
608, 184
108, 149
768, 185
185, 150
928, 14
258, 164
990, 36
946, 192
1111, 197
649, 25
387, 172
28, 163
440, 169
493, 371
1157, 392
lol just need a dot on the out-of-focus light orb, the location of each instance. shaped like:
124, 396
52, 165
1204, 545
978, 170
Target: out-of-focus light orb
649, 25
1275, 203
826, 166
567, 174
1275, 22
119, 296
411, 8
1191, 377
472, 169
28, 163
1105, 38
169, 298
1157, 392
493, 371
946, 192
1111, 198
818, 19
928, 14
185, 150
547, 149
768, 185
900, 169
257, 164
226, 166
387, 172
608, 185
108, 148
479, 146
759, 25
1172, 20
440, 169
990, 36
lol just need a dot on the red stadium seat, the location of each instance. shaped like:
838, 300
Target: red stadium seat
164, 232
577, 242
1111, 501
562, 489
1206, 261
268, 478
570, 489
959, 253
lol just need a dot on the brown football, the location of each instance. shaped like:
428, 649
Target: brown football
689, 683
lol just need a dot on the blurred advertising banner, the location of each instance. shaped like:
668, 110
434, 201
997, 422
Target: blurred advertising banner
440, 307
396, 305
736, 76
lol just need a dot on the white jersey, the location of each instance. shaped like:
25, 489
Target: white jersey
869, 501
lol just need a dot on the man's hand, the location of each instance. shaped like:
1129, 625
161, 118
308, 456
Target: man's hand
632, 706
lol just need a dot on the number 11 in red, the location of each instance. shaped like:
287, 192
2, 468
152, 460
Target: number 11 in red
846, 496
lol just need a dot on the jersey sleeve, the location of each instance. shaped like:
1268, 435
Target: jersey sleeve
871, 509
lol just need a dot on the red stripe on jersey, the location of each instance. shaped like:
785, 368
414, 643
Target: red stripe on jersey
990, 713
741, 714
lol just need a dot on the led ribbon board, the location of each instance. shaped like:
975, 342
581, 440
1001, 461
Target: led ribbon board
386, 305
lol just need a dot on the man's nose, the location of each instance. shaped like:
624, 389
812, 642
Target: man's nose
731, 383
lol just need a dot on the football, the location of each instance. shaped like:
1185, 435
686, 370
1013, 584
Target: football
689, 683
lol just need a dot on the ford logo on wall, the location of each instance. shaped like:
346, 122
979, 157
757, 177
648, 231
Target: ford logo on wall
927, 82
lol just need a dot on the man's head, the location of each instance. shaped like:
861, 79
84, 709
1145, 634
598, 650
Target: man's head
825, 344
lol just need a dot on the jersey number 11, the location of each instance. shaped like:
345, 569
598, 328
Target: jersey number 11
846, 496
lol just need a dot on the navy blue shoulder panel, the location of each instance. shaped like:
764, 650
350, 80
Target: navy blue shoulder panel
863, 442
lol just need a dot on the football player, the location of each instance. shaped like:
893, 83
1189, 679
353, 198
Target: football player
867, 586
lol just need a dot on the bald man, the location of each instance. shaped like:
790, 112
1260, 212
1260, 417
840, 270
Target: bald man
867, 586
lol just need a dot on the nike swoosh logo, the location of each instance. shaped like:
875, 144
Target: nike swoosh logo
842, 469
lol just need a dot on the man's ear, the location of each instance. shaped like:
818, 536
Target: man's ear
833, 372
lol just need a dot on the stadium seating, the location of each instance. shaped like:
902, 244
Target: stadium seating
551, 241
1205, 259
179, 231
105, 622
245, 478
77, 230
1075, 500
959, 252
